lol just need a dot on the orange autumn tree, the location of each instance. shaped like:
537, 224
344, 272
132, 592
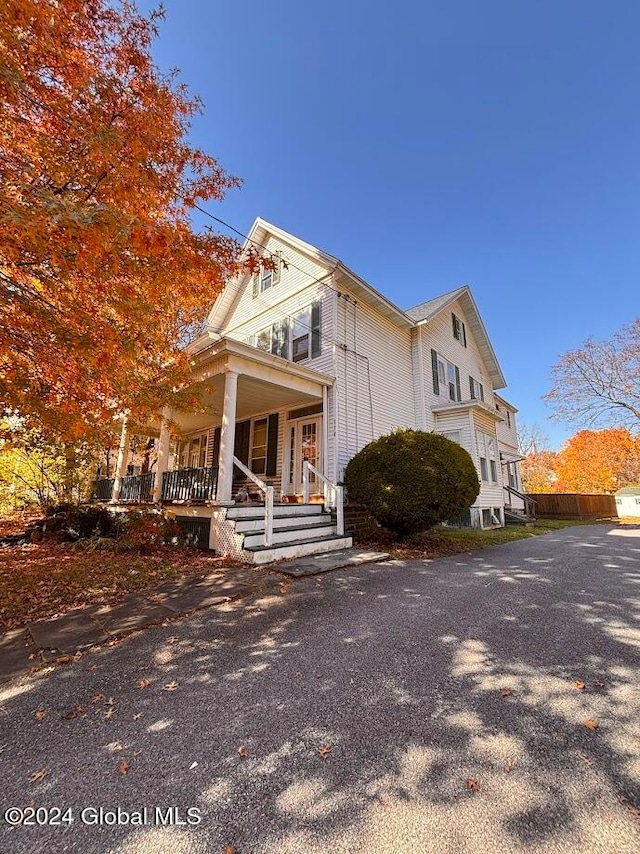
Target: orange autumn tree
598, 461
102, 276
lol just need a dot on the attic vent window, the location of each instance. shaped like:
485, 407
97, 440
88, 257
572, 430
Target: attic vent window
459, 332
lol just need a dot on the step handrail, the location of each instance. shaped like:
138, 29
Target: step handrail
268, 500
333, 494
528, 502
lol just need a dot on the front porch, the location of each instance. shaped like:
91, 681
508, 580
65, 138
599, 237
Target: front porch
259, 439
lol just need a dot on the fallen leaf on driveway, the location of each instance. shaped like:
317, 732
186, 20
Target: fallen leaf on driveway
108, 713
74, 713
591, 724
138, 716
230, 850
170, 686
324, 751
579, 685
508, 768
38, 775
471, 784
97, 698
123, 766
39, 715
243, 751
143, 683
506, 692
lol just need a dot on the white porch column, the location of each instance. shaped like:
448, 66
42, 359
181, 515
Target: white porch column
227, 437
123, 459
162, 459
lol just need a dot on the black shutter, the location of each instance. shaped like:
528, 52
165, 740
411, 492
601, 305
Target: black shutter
454, 325
458, 394
464, 334
215, 454
472, 391
272, 445
241, 444
316, 346
434, 368
481, 391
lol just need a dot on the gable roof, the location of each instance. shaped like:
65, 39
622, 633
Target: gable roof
416, 316
426, 311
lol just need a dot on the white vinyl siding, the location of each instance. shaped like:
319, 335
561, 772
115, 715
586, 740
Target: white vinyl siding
374, 389
437, 335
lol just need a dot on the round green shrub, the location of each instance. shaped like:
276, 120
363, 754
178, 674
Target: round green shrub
411, 480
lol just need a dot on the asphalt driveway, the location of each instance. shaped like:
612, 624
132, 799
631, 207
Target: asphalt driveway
426, 706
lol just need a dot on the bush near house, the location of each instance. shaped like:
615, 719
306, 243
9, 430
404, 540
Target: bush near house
412, 480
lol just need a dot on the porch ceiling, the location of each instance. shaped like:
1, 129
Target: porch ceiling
265, 383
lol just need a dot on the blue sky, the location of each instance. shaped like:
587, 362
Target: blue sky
430, 145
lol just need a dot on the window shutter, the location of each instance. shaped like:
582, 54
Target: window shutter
434, 369
215, 454
481, 391
255, 284
316, 345
472, 391
454, 325
458, 394
272, 445
464, 334
241, 442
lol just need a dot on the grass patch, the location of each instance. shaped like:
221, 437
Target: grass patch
440, 542
39, 581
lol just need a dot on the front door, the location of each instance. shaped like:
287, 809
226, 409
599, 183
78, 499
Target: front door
305, 444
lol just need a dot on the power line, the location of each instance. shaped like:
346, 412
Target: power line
312, 279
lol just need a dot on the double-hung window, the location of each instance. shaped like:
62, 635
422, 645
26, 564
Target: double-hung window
446, 377
476, 389
301, 335
259, 447
459, 332
275, 338
297, 337
487, 454
264, 279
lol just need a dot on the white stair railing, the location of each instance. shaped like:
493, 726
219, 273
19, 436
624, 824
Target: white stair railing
268, 500
333, 494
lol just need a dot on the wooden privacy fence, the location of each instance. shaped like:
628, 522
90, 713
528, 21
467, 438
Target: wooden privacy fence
569, 505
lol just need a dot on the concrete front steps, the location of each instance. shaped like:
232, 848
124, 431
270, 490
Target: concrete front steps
298, 530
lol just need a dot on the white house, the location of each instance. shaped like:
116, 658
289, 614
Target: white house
302, 366
628, 502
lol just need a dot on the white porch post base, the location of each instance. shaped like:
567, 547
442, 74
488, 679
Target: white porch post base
227, 438
162, 460
121, 465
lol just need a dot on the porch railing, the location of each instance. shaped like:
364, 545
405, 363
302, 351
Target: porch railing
102, 489
190, 484
268, 500
333, 494
137, 487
